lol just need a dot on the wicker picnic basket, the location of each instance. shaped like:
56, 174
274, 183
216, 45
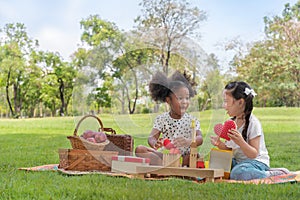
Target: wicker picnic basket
120, 143
89, 156
79, 142
85, 160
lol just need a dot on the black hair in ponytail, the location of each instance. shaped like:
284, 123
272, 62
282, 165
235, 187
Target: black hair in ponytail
238, 91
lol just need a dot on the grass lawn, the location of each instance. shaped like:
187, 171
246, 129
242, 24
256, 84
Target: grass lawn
32, 142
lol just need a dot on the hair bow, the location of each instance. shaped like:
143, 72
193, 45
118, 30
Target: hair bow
249, 91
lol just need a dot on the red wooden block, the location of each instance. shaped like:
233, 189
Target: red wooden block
200, 164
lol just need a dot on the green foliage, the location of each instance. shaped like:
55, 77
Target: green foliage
212, 86
33, 142
106, 41
31, 78
272, 66
15, 72
36, 83
97, 31
102, 97
145, 110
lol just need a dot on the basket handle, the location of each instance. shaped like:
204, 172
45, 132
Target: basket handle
113, 132
99, 121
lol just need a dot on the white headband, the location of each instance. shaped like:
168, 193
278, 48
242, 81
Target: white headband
249, 91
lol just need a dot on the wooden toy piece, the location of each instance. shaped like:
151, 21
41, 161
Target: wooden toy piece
221, 159
128, 164
171, 160
193, 147
171, 155
209, 174
200, 162
193, 155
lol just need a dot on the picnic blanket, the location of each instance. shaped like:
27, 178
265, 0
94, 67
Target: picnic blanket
54, 167
292, 177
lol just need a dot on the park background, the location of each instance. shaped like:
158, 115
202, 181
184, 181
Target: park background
110, 68
43, 93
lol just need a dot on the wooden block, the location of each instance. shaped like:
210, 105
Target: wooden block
221, 159
208, 174
171, 160
128, 164
193, 155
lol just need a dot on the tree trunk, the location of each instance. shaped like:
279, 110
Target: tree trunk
7, 94
136, 94
205, 104
17, 100
123, 102
167, 62
61, 94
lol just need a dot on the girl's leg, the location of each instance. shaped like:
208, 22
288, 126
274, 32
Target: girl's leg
233, 163
249, 169
147, 152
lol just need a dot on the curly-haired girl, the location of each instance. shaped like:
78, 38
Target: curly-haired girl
175, 124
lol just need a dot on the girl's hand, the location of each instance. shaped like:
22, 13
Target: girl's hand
182, 142
158, 144
235, 136
215, 140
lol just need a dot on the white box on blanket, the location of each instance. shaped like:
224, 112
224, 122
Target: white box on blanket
221, 159
127, 164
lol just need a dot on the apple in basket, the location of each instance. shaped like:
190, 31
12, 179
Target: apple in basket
88, 134
100, 137
91, 139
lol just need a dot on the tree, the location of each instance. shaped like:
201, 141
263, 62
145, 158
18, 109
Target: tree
16, 48
58, 81
32, 89
212, 86
102, 97
115, 54
132, 73
165, 23
272, 65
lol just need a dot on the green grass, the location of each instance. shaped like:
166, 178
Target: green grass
32, 142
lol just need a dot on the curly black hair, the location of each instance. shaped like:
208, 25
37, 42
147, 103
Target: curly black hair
161, 86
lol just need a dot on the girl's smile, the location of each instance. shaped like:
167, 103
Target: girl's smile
179, 102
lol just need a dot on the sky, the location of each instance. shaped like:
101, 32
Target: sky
56, 23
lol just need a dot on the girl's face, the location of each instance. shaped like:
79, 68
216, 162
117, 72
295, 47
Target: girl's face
233, 106
179, 102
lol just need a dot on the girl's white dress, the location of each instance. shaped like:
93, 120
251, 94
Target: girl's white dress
172, 128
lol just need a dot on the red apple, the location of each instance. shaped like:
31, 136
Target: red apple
91, 139
88, 134
100, 137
